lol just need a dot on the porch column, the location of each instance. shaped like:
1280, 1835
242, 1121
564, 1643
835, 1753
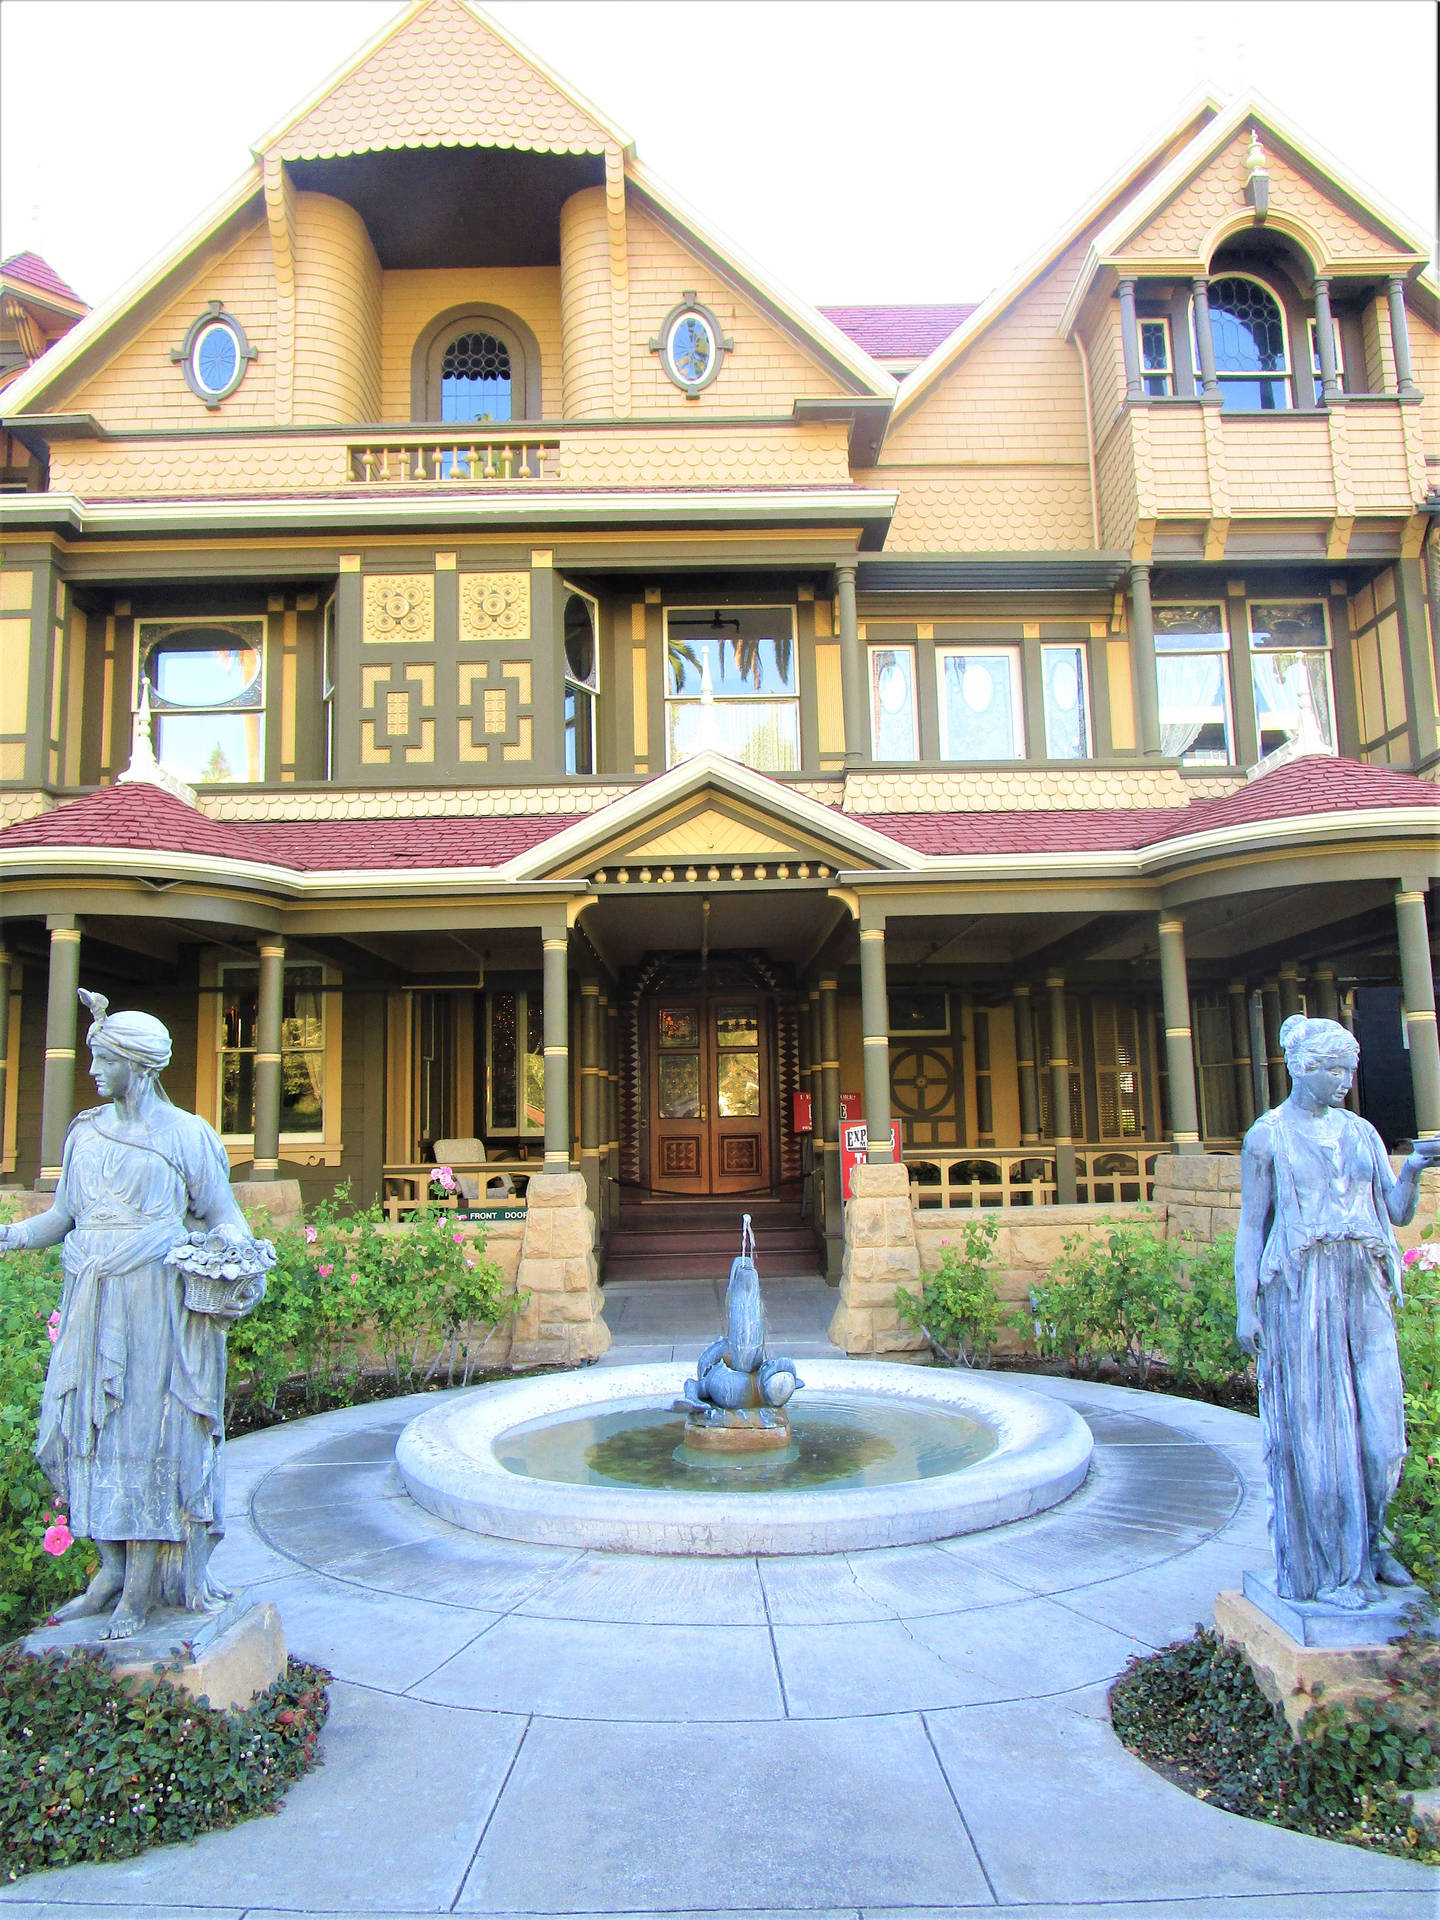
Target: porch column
875, 1025
1025, 1066
1347, 1021
830, 1101
1142, 658
1243, 1066
1060, 1134
1180, 1055
57, 1099
590, 1092
1325, 344
557, 1053
1130, 342
1418, 983
1289, 991
817, 1116
1205, 341
1274, 1058
4, 1039
269, 1020
1400, 337
612, 1108
854, 693
1327, 1000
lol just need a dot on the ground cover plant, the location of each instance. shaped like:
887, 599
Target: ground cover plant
1196, 1713
93, 1768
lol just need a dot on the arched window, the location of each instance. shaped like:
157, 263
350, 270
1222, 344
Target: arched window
473, 364
1251, 362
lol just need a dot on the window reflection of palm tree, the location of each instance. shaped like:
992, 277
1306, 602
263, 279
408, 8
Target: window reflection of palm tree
748, 651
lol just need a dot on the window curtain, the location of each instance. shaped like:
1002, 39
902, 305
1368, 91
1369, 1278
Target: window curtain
1292, 691
1192, 697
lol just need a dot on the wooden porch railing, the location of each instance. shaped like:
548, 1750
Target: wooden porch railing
1025, 1176
463, 459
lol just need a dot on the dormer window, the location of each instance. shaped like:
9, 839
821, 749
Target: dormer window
474, 364
1251, 363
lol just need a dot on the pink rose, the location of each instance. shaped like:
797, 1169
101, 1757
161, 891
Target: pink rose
312, 1234
458, 1238
444, 1177
325, 1272
471, 1265
52, 1326
57, 1539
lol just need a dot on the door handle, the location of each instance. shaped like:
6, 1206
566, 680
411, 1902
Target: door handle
704, 1116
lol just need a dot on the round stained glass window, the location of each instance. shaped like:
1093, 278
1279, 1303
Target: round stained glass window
216, 358
690, 349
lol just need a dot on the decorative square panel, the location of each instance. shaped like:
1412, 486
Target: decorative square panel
680, 1157
494, 606
399, 607
740, 1153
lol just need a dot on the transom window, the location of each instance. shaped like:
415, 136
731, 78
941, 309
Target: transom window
980, 704
892, 703
475, 378
582, 667
1248, 329
730, 686
207, 696
1290, 662
302, 1052
1193, 682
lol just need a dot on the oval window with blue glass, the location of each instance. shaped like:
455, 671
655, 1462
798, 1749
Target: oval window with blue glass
691, 349
217, 358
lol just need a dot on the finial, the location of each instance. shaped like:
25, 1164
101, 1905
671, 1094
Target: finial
144, 769
1257, 172
1255, 161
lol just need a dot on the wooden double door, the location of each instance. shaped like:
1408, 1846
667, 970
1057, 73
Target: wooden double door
710, 1097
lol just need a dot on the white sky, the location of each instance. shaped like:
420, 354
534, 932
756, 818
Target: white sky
861, 150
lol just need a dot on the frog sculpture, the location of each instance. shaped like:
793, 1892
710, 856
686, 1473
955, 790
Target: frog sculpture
736, 1401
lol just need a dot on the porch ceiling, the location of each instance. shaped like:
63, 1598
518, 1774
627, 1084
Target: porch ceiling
789, 925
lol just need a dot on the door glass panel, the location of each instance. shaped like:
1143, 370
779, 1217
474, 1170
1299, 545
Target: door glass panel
680, 1086
738, 1085
737, 1027
678, 1027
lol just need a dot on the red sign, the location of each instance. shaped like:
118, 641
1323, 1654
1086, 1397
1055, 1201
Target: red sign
852, 1107
803, 1120
854, 1143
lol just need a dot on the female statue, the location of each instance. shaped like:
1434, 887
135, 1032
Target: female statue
131, 1434
1316, 1268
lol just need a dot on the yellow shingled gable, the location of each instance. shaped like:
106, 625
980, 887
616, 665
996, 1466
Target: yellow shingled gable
444, 76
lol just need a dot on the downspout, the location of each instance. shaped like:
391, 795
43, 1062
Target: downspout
1089, 442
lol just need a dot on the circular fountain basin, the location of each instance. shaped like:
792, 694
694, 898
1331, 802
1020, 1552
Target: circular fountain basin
584, 1460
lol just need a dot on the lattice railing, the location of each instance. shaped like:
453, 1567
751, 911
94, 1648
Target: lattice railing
1025, 1176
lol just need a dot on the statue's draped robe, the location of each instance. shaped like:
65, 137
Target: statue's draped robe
1331, 1395
131, 1431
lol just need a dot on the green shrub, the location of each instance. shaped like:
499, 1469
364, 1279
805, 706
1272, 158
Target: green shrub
1196, 1710
1196, 1332
1107, 1298
1415, 1511
959, 1313
93, 1769
32, 1580
348, 1296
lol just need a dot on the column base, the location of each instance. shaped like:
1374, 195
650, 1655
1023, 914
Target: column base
880, 1256
563, 1321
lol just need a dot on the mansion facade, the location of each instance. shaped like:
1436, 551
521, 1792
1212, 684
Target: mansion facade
502, 679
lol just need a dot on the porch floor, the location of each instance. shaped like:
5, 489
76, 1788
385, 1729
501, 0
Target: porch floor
674, 1319
909, 1734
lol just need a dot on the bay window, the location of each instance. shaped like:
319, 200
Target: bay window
981, 712
1192, 646
893, 733
1290, 664
206, 681
731, 687
1067, 702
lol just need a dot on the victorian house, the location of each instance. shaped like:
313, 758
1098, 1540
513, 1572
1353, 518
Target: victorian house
489, 666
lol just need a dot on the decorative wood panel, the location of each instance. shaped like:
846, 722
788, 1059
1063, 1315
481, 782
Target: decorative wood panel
494, 606
399, 607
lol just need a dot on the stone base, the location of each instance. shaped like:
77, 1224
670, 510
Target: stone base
270, 1205
563, 1322
1315, 1623
1296, 1677
747, 1430
880, 1255
226, 1657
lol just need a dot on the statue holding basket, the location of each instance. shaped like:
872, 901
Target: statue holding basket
157, 1260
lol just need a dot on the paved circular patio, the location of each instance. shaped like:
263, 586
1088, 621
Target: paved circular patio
532, 1730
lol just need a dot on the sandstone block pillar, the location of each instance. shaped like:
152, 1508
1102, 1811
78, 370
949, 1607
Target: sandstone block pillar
563, 1321
881, 1254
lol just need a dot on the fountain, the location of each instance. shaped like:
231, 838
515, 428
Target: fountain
648, 1459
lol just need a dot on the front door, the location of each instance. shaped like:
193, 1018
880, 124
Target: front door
709, 1094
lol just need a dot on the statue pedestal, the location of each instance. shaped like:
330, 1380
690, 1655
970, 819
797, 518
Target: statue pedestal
1293, 1671
228, 1656
1315, 1623
742, 1430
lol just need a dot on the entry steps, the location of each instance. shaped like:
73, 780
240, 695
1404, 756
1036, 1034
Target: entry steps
696, 1239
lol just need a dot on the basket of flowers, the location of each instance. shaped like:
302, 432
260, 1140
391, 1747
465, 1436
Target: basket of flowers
224, 1276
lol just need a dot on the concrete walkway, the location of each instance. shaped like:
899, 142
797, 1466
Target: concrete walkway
914, 1732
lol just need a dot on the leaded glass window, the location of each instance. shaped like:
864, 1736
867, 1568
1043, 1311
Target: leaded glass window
475, 378
1290, 662
1193, 682
515, 1063
1248, 329
980, 709
1067, 703
893, 733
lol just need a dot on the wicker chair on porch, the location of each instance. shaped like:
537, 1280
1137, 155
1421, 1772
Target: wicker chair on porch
472, 1153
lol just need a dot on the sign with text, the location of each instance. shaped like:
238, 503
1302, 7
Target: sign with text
515, 1210
803, 1120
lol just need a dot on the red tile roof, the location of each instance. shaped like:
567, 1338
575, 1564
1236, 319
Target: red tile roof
143, 818
38, 273
897, 333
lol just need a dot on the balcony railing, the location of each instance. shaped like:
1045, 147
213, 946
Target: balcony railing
462, 460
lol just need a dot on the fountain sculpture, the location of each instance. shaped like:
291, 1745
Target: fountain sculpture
736, 1401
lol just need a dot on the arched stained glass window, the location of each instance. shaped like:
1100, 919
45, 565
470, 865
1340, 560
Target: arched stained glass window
475, 378
1249, 333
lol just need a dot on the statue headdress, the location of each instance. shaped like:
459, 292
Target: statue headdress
137, 1037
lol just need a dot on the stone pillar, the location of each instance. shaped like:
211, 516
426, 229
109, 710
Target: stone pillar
875, 1025
1274, 1058
62, 1008
854, 692
1330, 389
1060, 1134
563, 1321
1242, 1064
1400, 337
1205, 340
269, 1023
1289, 985
1418, 982
1179, 1053
557, 1054
881, 1255
1029, 1086
1142, 658
590, 1072
1327, 1000
830, 1096
1130, 342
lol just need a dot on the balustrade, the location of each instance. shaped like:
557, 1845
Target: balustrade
462, 460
